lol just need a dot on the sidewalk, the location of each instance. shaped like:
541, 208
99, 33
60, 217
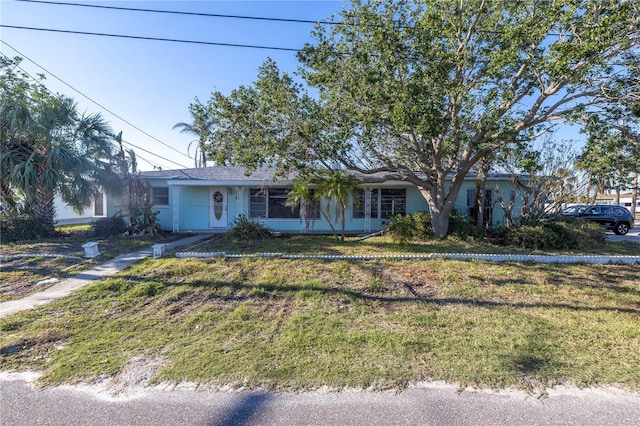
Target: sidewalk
64, 288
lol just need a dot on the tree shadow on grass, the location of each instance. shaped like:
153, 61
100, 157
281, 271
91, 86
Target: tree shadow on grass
242, 291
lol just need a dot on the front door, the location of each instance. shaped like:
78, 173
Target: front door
218, 208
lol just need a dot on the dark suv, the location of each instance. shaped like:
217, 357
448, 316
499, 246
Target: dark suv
617, 218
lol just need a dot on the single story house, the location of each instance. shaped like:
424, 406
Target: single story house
209, 199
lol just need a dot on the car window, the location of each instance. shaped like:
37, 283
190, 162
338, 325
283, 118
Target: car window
593, 210
606, 210
573, 209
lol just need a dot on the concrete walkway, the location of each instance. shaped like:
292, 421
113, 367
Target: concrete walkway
64, 288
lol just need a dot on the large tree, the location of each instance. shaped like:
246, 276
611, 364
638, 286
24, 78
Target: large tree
49, 148
423, 90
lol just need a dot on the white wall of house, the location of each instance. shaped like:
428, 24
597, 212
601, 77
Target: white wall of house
66, 215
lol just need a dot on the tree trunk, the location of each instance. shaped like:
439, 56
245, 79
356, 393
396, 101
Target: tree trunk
481, 184
203, 154
634, 195
45, 208
440, 207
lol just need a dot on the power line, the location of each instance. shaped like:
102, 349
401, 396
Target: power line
123, 141
173, 12
172, 40
156, 155
96, 103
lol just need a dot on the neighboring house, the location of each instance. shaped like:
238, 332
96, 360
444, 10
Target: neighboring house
103, 206
625, 200
210, 198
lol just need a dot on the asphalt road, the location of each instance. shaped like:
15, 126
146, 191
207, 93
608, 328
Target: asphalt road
632, 235
426, 405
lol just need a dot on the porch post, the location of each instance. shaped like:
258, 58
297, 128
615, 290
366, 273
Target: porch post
240, 201
367, 209
176, 208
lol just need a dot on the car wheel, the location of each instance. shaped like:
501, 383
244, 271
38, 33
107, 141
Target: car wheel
621, 229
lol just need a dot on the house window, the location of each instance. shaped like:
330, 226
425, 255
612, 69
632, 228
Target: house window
98, 205
392, 201
359, 203
160, 196
258, 203
271, 203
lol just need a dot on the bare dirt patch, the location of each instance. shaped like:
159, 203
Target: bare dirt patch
137, 374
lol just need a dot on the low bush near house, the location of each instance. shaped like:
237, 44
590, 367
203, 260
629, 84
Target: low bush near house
109, 226
404, 228
460, 227
16, 226
417, 226
552, 235
245, 228
145, 222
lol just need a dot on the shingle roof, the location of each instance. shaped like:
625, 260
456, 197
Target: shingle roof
262, 174
216, 173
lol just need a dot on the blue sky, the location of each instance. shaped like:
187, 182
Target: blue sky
150, 83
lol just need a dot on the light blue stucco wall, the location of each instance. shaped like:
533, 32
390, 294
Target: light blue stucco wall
192, 205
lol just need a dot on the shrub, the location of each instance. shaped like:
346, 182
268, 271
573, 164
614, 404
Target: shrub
403, 228
245, 228
16, 226
109, 226
145, 221
552, 235
460, 227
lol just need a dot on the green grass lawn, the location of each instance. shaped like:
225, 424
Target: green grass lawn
302, 324
326, 244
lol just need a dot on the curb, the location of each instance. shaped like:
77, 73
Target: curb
596, 260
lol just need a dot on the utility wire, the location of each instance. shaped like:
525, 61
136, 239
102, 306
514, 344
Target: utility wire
98, 104
172, 12
123, 141
172, 40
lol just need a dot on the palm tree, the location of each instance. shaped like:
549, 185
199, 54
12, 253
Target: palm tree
200, 127
337, 187
54, 150
303, 197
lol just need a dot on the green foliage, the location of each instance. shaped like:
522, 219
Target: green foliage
15, 226
245, 228
553, 235
420, 90
417, 226
201, 127
49, 148
109, 227
404, 228
336, 187
460, 227
144, 221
